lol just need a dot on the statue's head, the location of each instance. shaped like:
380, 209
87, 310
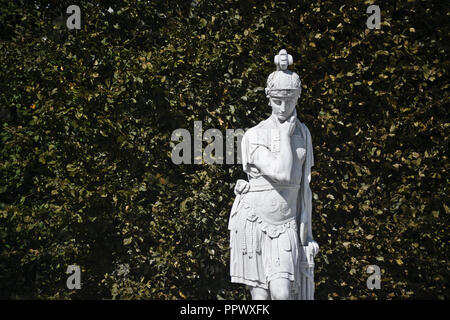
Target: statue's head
283, 87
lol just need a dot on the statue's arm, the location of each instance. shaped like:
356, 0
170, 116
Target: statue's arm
276, 167
306, 236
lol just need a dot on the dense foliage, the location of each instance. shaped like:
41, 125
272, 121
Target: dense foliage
87, 115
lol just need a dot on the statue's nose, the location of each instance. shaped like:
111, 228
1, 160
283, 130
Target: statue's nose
283, 106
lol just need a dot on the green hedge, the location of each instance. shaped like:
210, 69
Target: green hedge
87, 116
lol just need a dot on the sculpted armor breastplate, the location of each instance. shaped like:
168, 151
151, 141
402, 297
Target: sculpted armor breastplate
275, 204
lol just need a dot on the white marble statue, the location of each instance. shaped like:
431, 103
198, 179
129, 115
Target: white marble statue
271, 242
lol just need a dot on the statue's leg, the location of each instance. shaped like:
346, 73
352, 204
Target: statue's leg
259, 293
280, 289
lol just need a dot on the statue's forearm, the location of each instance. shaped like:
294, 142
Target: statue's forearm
278, 167
284, 160
306, 232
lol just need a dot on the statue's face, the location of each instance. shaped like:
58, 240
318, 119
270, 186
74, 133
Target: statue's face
284, 61
282, 107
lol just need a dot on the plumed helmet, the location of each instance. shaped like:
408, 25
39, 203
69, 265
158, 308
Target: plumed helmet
283, 82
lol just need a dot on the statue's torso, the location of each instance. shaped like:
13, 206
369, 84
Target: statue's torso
273, 202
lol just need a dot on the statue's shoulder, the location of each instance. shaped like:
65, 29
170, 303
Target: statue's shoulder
303, 128
253, 131
257, 135
261, 125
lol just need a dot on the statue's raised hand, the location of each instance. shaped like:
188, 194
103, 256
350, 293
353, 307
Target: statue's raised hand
288, 126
